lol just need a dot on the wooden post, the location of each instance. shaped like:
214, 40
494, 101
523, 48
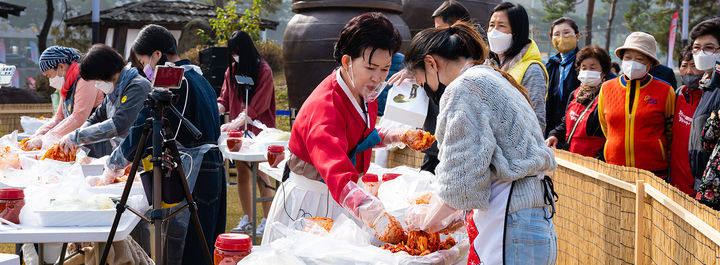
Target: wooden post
639, 227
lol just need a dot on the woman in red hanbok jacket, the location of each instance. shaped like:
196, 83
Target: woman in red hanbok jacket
334, 133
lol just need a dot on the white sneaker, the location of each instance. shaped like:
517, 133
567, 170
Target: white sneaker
261, 228
244, 226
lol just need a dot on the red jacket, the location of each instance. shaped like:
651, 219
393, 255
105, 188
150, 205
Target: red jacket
685, 105
326, 129
262, 104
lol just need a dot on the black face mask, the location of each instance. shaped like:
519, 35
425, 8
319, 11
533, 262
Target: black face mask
691, 81
434, 95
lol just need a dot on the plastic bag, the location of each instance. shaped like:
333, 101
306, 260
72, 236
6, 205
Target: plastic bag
30, 124
346, 243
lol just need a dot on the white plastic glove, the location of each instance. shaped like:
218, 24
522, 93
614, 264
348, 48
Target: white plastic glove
399, 77
34, 143
372, 213
221, 108
235, 124
66, 144
436, 216
107, 178
392, 137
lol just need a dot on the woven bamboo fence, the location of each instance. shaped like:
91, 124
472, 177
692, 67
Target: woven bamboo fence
404, 157
597, 220
10, 115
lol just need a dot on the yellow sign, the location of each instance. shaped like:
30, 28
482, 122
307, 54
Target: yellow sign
124, 98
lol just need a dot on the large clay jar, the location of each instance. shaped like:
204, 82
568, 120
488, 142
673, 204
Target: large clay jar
311, 34
417, 13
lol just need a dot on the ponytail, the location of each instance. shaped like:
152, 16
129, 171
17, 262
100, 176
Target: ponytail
459, 40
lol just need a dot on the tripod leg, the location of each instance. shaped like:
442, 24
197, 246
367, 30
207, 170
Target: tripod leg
157, 190
191, 203
120, 208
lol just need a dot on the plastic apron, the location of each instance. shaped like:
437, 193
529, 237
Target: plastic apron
303, 197
176, 228
486, 229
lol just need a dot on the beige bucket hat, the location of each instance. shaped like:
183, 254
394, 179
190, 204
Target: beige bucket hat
641, 42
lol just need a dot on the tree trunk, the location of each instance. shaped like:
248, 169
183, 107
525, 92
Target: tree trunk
609, 24
588, 24
42, 37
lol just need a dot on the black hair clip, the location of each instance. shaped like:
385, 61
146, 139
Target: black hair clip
452, 30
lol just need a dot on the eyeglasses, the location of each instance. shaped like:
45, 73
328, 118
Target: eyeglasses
708, 49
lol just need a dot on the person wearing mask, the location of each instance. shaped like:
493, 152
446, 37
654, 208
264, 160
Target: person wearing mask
447, 14
563, 77
334, 132
197, 102
492, 154
517, 54
245, 60
78, 97
580, 127
688, 97
636, 110
705, 41
125, 91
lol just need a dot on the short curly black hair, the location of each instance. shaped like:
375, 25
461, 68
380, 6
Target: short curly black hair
369, 30
100, 63
596, 52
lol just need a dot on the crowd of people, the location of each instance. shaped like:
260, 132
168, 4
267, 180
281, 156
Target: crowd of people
495, 108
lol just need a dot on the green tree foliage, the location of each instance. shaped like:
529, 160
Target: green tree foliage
77, 37
654, 16
229, 20
555, 9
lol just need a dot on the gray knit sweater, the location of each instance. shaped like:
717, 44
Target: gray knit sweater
487, 132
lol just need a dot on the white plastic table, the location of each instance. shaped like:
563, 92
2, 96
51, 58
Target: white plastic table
252, 158
99, 234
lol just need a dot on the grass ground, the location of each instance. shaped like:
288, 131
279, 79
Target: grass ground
234, 210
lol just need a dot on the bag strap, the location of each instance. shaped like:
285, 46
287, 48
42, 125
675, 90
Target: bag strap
582, 115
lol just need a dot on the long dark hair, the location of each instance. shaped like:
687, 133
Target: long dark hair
520, 26
241, 43
459, 40
155, 38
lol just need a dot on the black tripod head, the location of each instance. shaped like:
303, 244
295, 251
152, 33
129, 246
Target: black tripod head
159, 99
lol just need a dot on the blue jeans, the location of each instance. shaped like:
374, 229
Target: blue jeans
530, 238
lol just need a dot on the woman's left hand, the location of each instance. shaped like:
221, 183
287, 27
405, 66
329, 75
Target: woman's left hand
66, 144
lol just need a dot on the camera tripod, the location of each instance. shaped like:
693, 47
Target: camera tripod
165, 155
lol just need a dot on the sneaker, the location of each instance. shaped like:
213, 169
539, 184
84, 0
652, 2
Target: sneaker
244, 226
261, 228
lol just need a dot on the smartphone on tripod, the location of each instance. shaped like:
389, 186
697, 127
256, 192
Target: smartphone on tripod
168, 77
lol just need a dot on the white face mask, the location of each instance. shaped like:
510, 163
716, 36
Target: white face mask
499, 42
705, 61
236, 58
105, 87
633, 69
590, 78
57, 82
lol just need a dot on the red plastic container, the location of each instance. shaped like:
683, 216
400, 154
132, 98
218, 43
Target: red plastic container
234, 140
275, 155
390, 176
11, 202
230, 248
371, 183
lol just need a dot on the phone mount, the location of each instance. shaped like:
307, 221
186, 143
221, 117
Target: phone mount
246, 82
